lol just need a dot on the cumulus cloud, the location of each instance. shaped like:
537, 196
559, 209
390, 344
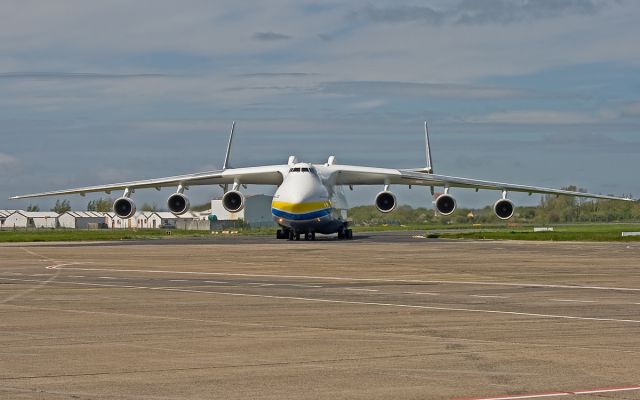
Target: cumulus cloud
270, 36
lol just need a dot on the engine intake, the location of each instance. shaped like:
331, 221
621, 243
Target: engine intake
233, 201
386, 201
124, 207
504, 208
178, 203
446, 204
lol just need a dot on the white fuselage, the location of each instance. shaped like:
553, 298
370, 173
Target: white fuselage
303, 202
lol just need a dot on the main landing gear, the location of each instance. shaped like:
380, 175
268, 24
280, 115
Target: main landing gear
291, 235
345, 234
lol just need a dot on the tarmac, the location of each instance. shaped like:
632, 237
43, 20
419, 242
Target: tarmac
385, 316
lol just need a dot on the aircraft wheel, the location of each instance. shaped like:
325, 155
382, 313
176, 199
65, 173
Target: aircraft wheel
348, 234
297, 236
313, 236
291, 235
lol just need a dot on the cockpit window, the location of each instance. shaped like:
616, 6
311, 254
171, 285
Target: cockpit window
312, 170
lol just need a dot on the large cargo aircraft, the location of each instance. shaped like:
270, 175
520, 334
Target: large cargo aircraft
309, 198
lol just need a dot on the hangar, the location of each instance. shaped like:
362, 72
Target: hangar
32, 219
3, 217
256, 212
80, 219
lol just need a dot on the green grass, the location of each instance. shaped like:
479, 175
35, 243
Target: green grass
590, 232
599, 233
68, 235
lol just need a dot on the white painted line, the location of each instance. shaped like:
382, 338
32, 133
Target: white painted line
362, 290
260, 284
424, 293
335, 278
573, 301
107, 277
76, 276
486, 296
317, 300
40, 275
178, 280
219, 282
560, 394
300, 285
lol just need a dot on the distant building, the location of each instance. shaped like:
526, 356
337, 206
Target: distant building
256, 211
115, 222
81, 219
3, 217
155, 220
31, 219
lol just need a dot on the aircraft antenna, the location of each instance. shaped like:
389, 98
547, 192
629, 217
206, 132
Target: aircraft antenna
226, 157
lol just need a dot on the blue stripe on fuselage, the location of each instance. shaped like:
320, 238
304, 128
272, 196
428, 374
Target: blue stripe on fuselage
301, 217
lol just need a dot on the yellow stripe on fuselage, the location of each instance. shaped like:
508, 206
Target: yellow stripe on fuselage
300, 207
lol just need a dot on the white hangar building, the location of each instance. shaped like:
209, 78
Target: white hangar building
80, 219
256, 211
3, 217
31, 219
155, 220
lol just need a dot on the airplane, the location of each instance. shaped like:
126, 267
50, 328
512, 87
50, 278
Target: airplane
309, 198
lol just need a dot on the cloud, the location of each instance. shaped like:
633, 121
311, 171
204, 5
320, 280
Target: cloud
533, 117
277, 75
631, 110
8, 164
73, 76
270, 36
367, 105
416, 89
400, 14
474, 12
509, 11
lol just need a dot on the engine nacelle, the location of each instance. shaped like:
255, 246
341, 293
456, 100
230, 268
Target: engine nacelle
386, 201
446, 204
233, 201
124, 207
504, 208
178, 203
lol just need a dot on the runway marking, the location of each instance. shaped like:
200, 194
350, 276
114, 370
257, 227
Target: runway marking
362, 290
335, 278
424, 293
260, 284
573, 301
107, 277
559, 394
486, 296
218, 282
178, 280
76, 276
367, 303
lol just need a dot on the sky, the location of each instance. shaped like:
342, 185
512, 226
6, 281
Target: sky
539, 92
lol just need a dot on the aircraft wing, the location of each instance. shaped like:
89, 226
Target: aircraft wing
266, 175
355, 175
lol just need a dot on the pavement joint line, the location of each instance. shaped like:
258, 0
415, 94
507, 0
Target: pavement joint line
488, 283
317, 300
560, 394
573, 301
425, 293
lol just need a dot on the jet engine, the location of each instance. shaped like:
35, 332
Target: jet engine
178, 203
386, 201
233, 201
504, 208
445, 204
124, 207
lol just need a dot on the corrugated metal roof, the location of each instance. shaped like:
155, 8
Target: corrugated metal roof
6, 213
39, 214
85, 214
